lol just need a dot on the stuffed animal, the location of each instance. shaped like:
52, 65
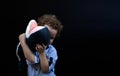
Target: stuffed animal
34, 35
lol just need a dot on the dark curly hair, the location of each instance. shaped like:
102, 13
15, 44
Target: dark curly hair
52, 21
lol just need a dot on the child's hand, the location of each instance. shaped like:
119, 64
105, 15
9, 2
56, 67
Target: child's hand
22, 37
40, 48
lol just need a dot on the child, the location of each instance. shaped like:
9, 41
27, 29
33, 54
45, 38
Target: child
42, 61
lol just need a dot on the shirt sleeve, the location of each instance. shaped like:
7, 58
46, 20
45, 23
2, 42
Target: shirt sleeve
52, 58
36, 58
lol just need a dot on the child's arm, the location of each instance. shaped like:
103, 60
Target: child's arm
26, 50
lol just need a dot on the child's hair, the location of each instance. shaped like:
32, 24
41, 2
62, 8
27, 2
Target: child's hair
52, 21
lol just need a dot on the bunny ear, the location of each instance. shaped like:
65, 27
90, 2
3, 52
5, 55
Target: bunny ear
31, 25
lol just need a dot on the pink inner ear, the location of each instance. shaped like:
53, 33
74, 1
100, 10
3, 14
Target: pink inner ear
36, 29
33, 25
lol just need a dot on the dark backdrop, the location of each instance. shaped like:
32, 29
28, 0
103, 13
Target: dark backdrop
89, 42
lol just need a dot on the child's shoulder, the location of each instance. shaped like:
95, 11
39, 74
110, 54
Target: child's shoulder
51, 46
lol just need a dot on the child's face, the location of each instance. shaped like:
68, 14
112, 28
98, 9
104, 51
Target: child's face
53, 33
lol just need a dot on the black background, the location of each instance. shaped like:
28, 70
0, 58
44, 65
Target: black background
89, 41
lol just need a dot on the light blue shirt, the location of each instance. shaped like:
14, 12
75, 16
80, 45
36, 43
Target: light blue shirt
34, 68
